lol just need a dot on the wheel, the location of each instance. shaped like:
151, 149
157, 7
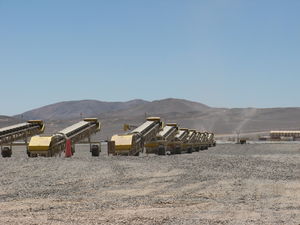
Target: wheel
178, 150
6, 152
32, 155
161, 151
189, 150
50, 153
95, 150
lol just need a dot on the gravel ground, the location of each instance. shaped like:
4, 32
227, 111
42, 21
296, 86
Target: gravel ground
228, 184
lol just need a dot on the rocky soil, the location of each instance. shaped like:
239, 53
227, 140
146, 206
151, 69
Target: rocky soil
228, 184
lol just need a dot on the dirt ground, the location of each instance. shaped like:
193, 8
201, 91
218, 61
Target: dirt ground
228, 184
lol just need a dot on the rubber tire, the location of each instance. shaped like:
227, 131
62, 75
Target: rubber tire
95, 152
161, 151
178, 151
6, 152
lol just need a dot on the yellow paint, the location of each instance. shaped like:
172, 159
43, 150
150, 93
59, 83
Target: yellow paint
38, 143
122, 142
38, 122
151, 144
153, 119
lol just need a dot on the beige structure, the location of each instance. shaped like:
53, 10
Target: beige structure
295, 134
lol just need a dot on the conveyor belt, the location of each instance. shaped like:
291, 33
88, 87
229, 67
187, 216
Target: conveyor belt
169, 131
55, 144
132, 143
160, 144
211, 140
20, 131
10, 134
192, 136
182, 134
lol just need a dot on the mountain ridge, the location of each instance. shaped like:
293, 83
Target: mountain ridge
186, 113
89, 108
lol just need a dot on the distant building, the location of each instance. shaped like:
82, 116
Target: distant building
285, 135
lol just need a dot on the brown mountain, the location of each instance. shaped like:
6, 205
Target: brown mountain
186, 113
76, 109
220, 121
7, 121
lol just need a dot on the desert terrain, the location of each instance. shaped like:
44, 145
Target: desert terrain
228, 184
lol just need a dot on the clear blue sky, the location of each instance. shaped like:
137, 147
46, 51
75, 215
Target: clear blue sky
224, 53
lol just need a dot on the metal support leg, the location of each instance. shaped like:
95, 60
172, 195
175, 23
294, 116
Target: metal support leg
89, 138
26, 143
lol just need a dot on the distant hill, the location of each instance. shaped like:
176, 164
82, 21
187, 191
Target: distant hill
89, 108
220, 121
76, 109
7, 121
168, 106
186, 113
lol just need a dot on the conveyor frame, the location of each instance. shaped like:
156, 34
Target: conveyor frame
17, 132
56, 144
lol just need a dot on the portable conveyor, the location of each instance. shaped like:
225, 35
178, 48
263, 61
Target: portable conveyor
13, 133
211, 140
178, 145
132, 143
204, 141
53, 145
197, 144
191, 140
161, 144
